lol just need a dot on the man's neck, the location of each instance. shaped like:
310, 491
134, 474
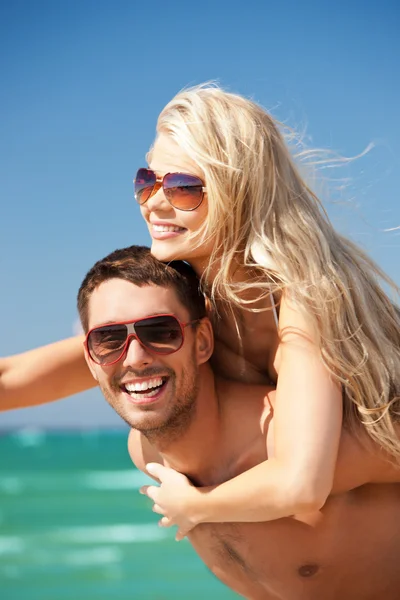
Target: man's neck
192, 452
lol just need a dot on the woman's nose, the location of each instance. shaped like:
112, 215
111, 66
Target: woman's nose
158, 200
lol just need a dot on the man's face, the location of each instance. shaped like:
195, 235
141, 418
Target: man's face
153, 393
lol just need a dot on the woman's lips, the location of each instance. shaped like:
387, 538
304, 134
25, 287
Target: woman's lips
162, 232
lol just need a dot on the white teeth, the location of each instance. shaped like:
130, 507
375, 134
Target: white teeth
167, 228
142, 386
139, 396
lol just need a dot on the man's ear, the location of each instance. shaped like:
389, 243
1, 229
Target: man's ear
204, 340
89, 363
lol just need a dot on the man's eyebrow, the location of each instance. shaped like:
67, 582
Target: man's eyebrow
155, 314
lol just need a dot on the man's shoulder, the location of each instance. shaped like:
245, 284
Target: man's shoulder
250, 405
141, 451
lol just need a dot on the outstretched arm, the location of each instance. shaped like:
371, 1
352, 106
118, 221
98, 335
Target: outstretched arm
44, 374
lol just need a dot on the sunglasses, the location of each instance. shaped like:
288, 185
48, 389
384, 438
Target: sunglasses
183, 191
161, 334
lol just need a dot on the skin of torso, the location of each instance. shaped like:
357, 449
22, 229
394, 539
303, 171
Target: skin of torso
254, 357
349, 550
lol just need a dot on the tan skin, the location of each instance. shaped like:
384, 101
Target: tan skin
348, 549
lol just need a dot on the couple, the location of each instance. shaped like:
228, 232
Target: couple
297, 307
148, 344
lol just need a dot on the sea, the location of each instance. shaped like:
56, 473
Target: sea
73, 525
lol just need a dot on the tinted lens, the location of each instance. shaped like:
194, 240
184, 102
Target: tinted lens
144, 183
106, 344
160, 334
185, 192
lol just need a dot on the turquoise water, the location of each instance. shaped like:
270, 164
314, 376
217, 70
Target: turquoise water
74, 527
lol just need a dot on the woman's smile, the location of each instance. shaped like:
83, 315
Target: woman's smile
164, 230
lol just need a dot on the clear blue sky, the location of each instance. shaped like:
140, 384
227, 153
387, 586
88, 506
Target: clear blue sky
82, 83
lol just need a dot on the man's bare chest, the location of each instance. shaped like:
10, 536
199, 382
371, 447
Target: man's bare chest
349, 550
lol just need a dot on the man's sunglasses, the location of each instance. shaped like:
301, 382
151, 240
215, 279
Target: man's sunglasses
183, 191
161, 334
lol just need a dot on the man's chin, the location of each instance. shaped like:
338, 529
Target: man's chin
138, 416
143, 422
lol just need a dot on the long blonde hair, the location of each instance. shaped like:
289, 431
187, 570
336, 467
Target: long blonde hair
262, 213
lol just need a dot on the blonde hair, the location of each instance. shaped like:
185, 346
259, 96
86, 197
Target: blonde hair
263, 215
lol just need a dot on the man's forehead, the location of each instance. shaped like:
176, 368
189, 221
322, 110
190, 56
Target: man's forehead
118, 300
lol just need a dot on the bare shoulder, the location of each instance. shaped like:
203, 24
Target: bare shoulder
141, 451
296, 330
251, 406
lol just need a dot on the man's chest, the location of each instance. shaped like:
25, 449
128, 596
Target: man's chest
257, 560
337, 553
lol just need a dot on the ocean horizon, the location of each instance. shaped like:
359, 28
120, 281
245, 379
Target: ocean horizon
73, 525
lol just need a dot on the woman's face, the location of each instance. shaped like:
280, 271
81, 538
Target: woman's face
170, 227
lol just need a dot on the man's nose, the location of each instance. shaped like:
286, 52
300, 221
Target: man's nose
136, 355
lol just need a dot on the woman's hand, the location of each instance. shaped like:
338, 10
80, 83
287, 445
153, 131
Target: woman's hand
174, 498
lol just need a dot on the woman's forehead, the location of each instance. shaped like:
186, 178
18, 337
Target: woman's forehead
166, 156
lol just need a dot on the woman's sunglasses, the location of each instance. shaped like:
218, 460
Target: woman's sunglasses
184, 192
161, 334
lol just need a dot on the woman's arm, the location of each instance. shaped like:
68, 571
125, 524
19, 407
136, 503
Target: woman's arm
44, 374
360, 461
307, 426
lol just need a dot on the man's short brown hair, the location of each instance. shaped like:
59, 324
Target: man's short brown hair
137, 265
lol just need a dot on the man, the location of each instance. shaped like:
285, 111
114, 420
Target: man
148, 344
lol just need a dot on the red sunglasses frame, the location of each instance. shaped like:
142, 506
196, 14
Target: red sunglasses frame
131, 334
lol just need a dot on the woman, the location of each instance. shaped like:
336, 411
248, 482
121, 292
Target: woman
260, 240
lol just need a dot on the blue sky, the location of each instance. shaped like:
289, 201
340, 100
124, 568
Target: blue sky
82, 83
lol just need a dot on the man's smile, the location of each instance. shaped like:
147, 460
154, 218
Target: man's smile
144, 391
